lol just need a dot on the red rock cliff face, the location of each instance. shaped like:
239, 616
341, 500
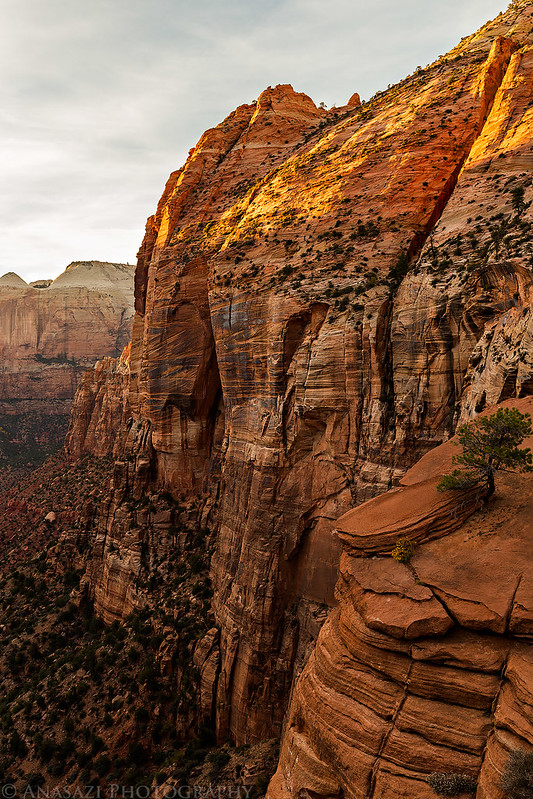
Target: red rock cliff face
311, 298
424, 668
101, 408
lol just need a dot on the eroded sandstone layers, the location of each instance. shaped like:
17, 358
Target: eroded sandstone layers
422, 668
50, 332
319, 296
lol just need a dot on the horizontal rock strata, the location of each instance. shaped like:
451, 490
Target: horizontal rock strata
422, 668
50, 333
309, 297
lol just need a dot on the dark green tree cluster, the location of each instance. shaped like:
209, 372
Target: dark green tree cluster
518, 200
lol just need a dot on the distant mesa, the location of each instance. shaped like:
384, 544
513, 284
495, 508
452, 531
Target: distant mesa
12, 280
51, 331
95, 275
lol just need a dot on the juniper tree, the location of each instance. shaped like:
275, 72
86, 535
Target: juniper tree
517, 200
490, 444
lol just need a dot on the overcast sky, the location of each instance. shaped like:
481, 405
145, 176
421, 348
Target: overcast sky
102, 99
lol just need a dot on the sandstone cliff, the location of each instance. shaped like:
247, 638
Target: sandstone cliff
100, 408
50, 333
422, 668
319, 297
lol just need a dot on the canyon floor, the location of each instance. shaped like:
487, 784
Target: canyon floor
83, 703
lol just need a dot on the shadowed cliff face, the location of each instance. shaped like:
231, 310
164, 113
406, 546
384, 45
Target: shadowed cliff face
309, 297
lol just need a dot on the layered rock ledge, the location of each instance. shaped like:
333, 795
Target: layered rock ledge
424, 667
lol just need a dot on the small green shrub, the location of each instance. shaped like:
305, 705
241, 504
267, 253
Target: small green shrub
261, 784
403, 550
137, 753
56, 768
399, 270
142, 716
85, 775
34, 780
97, 744
102, 765
219, 758
17, 746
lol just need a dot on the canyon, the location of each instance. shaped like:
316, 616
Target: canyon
314, 297
321, 297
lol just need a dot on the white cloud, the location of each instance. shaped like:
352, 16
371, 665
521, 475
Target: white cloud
101, 100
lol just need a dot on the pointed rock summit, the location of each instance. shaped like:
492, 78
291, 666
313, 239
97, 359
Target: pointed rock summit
12, 280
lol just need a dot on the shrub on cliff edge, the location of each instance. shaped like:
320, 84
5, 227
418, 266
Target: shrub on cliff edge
403, 551
490, 444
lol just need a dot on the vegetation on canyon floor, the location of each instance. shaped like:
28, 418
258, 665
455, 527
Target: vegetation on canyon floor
82, 703
27, 439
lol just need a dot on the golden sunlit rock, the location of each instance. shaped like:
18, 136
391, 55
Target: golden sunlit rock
320, 296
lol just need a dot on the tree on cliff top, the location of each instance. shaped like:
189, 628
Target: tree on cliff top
490, 444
